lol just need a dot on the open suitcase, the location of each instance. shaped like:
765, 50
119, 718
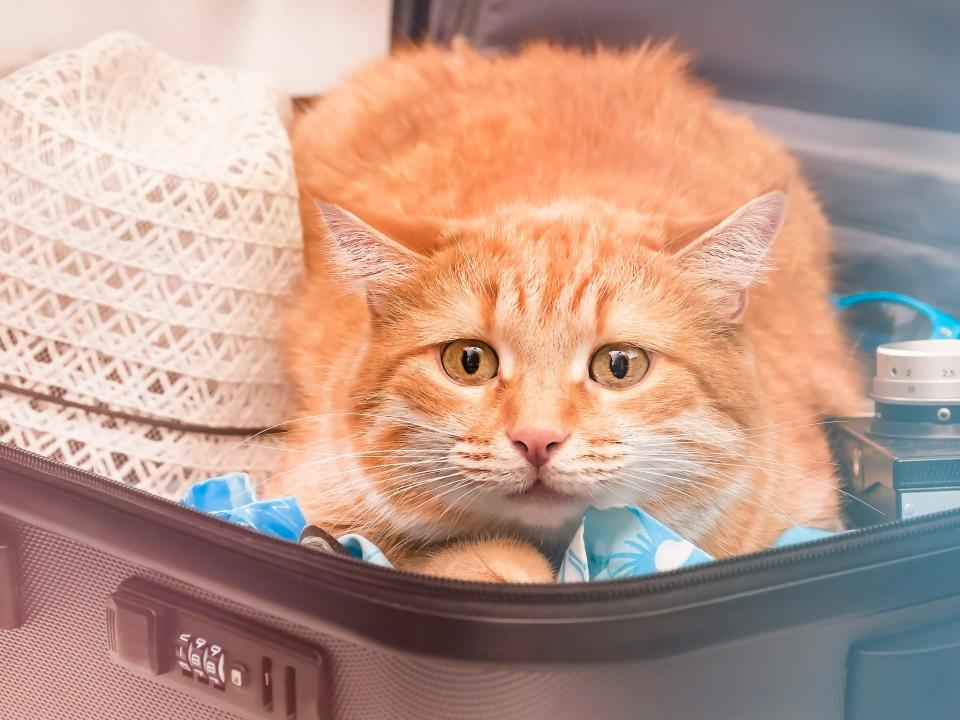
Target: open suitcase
106, 590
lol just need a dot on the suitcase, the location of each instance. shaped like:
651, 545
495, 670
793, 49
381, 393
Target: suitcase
117, 604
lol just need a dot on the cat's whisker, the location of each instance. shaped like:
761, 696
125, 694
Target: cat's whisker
788, 428
456, 502
402, 485
800, 419
332, 414
463, 509
457, 481
625, 480
776, 466
372, 453
714, 488
333, 458
790, 471
363, 478
722, 521
366, 511
284, 423
404, 489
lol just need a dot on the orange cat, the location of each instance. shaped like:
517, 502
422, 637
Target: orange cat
526, 294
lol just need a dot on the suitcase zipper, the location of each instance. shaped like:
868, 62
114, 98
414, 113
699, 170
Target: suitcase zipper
39, 468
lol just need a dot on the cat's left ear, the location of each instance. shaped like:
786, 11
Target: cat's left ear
730, 256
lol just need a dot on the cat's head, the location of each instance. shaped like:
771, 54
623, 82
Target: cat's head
540, 360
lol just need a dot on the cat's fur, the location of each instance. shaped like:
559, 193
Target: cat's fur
547, 203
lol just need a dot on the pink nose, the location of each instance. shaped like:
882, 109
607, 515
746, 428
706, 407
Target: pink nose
537, 444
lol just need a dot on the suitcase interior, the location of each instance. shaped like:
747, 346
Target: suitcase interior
865, 625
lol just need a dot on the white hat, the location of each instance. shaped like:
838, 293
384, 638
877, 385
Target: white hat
148, 236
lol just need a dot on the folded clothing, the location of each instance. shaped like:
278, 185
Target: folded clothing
611, 543
232, 497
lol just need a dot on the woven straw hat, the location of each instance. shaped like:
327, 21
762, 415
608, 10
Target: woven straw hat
148, 234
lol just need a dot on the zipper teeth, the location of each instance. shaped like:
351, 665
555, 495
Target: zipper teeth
458, 589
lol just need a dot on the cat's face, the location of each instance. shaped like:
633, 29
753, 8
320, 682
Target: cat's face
545, 360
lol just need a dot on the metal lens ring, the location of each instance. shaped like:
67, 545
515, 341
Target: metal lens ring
917, 389
918, 372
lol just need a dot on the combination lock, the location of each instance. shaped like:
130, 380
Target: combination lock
220, 658
200, 658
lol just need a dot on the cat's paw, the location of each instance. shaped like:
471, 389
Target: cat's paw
496, 561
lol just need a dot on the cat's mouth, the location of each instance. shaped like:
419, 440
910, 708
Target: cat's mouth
539, 492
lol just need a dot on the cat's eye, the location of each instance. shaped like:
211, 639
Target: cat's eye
470, 362
619, 365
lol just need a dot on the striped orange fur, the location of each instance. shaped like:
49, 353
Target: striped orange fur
548, 203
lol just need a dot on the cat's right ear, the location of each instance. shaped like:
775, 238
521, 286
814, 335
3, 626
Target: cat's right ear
362, 257
729, 257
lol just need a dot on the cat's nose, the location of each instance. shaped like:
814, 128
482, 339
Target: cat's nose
538, 444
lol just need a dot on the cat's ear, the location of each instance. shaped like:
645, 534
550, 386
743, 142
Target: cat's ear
729, 257
364, 258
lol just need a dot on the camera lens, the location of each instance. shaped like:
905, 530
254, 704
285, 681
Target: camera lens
918, 372
917, 389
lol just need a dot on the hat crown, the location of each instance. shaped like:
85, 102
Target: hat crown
149, 235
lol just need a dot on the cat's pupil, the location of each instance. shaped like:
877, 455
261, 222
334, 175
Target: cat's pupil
619, 364
470, 359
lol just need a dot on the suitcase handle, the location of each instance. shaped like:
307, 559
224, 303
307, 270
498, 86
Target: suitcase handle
907, 675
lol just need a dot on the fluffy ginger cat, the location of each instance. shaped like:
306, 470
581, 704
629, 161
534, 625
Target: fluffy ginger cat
526, 293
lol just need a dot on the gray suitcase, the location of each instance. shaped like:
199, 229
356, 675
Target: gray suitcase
106, 592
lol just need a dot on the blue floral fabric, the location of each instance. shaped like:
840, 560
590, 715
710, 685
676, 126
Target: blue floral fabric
624, 542
610, 544
232, 497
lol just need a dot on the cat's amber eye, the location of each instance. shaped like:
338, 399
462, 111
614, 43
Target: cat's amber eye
470, 362
619, 365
